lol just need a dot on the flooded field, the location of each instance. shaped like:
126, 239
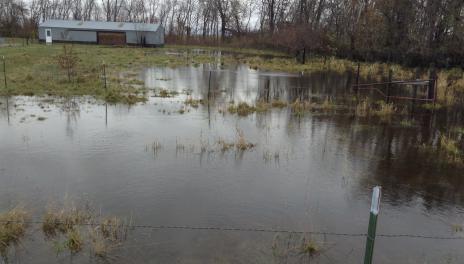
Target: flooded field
172, 164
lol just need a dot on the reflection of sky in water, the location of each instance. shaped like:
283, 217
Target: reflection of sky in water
239, 83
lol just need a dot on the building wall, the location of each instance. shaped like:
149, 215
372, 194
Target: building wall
132, 37
156, 38
62, 34
151, 38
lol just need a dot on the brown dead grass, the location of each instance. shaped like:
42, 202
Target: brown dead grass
13, 225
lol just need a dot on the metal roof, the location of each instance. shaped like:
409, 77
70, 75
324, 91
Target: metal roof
99, 25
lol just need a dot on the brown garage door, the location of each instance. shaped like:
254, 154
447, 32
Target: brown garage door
111, 38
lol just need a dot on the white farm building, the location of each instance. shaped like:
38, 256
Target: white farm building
105, 33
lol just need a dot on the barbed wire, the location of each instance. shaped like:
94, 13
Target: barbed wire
257, 230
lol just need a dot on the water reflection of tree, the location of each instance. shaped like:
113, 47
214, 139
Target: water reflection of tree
319, 84
72, 110
396, 161
3, 106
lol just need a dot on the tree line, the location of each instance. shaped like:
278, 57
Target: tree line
414, 32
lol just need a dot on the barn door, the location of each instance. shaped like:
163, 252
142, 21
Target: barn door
112, 38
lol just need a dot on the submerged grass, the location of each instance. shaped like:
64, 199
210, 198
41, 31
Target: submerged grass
63, 220
13, 224
449, 146
310, 248
241, 144
385, 109
75, 229
74, 241
193, 102
295, 248
279, 104
447, 151
242, 109
164, 93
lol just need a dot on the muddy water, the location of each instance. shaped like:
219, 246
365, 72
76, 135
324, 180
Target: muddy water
307, 173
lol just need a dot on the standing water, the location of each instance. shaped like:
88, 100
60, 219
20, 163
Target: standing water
160, 166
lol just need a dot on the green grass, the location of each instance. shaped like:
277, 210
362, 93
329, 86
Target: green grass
34, 70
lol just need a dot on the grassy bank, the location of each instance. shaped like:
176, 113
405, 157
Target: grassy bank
34, 69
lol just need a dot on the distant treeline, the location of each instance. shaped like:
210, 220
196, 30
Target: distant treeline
412, 32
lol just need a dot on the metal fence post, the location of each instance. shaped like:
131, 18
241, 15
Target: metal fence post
4, 72
6, 90
209, 85
375, 206
104, 75
390, 78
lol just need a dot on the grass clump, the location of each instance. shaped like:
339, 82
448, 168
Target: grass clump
457, 228
242, 144
164, 93
105, 237
385, 109
63, 220
293, 249
193, 102
74, 241
242, 109
279, 104
310, 248
224, 145
327, 105
447, 151
432, 106
74, 230
13, 225
449, 146
363, 108
113, 229
262, 107
124, 95
407, 123
300, 107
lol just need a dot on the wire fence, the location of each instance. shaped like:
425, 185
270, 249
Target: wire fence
251, 230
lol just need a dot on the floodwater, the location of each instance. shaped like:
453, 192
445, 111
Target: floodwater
307, 173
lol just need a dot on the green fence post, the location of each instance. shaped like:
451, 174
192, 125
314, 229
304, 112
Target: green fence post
375, 206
